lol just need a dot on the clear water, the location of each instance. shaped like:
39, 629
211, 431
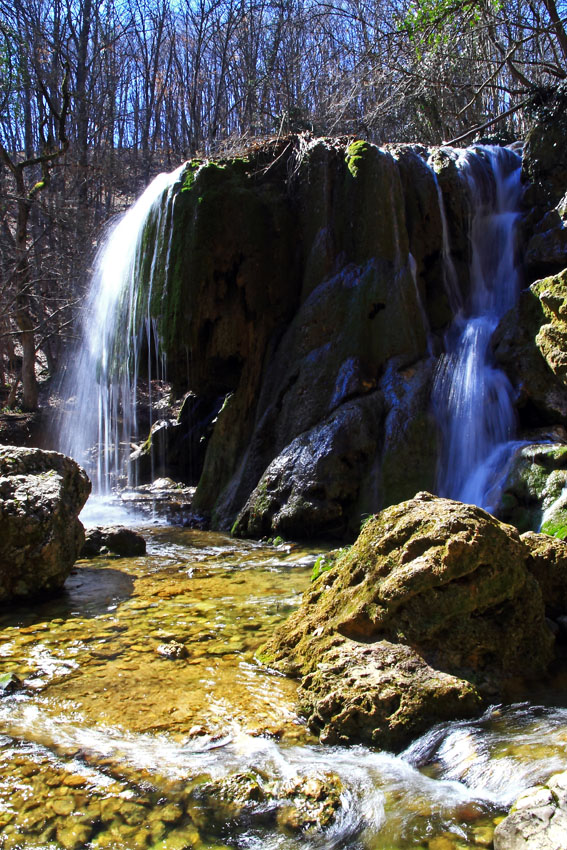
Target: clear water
110, 742
474, 400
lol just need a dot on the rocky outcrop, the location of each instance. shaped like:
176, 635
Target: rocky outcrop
538, 819
41, 495
311, 280
301, 287
431, 610
534, 480
531, 344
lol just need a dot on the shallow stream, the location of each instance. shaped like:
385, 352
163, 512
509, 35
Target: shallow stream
113, 743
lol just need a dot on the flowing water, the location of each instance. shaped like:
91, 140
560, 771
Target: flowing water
473, 398
101, 384
113, 743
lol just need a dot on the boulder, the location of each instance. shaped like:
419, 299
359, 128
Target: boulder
41, 496
440, 595
311, 486
116, 539
538, 819
370, 693
548, 564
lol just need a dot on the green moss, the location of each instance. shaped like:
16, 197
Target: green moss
356, 155
556, 526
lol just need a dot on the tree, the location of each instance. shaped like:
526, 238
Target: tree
30, 171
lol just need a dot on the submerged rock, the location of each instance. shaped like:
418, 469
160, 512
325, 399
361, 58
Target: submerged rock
432, 608
41, 496
300, 804
538, 819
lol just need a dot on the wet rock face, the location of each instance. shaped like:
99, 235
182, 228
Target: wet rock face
308, 490
433, 606
291, 299
538, 819
41, 495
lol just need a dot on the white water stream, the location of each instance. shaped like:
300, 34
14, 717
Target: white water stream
101, 383
474, 400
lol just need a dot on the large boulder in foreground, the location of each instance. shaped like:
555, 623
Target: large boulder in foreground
41, 495
432, 610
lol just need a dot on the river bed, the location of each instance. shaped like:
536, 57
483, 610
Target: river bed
143, 710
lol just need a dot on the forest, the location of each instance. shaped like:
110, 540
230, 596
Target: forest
98, 98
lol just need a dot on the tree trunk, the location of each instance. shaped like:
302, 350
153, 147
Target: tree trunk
30, 389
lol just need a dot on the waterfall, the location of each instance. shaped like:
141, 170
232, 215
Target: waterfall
101, 380
473, 399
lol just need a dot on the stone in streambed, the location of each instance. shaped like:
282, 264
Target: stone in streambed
116, 539
538, 819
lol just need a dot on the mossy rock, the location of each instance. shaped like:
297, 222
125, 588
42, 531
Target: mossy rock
431, 589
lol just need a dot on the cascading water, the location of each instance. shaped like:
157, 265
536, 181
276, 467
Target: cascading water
472, 397
101, 381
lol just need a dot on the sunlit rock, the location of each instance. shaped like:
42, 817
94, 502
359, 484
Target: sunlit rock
531, 344
538, 819
431, 587
548, 564
41, 496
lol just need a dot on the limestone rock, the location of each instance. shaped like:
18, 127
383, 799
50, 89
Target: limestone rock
41, 495
372, 694
538, 819
531, 344
431, 586
548, 564
534, 481
116, 539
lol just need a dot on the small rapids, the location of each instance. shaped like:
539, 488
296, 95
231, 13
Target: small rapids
112, 744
